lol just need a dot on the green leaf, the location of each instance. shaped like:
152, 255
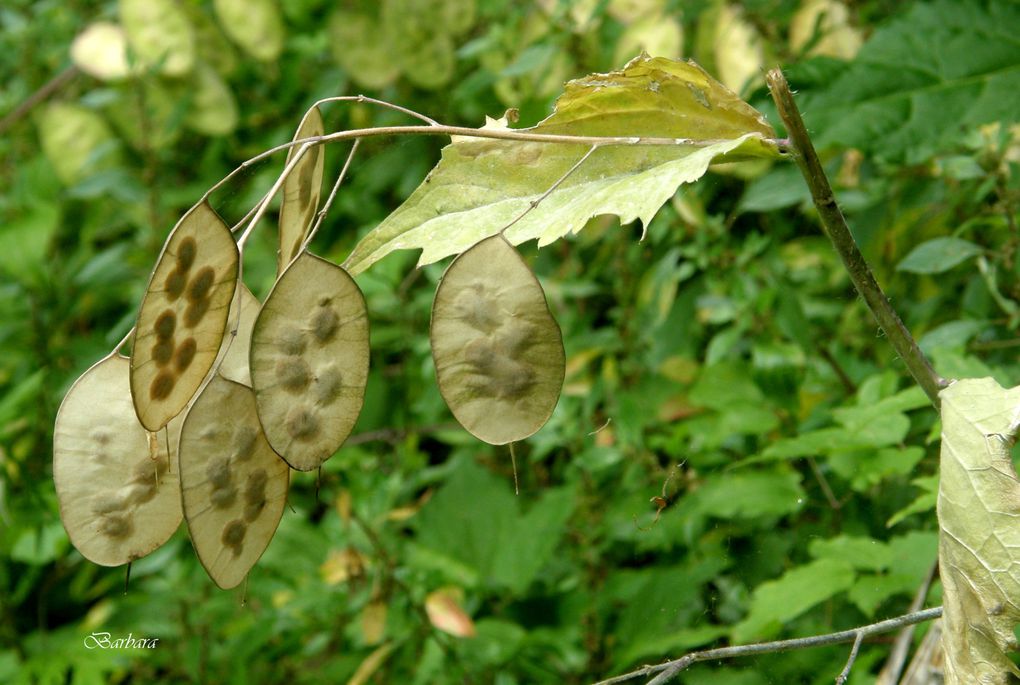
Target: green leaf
476, 521
867, 468
978, 505
747, 495
777, 601
861, 552
481, 185
925, 501
922, 79
938, 255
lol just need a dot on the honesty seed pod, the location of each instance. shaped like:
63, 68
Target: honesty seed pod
497, 348
232, 360
233, 486
301, 191
116, 484
309, 361
183, 316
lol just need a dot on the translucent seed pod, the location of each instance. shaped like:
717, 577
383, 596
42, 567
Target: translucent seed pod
117, 485
233, 486
309, 361
301, 191
497, 348
183, 316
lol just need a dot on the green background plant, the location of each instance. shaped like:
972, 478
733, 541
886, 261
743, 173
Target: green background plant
725, 355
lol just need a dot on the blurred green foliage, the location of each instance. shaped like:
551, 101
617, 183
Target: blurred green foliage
723, 364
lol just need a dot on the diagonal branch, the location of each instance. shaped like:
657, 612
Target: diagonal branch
839, 234
666, 671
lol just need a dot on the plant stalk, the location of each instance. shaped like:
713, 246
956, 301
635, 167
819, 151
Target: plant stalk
835, 227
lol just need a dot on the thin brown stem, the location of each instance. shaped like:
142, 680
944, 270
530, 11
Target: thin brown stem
835, 227
293, 162
332, 196
845, 673
379, 103
36, 98
666, 671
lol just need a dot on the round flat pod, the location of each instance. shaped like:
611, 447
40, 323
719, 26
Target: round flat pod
497, 348
118, 491
301, 191
233, 486
183, 316
309, 361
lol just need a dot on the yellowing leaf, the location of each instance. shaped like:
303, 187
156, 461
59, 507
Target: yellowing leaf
445, 612
497, 349
183, 316
117, 502
360, 46
739, 56
213, 107
830, 21
481, 185
159, 35
654, 34
979, 539
373, 622
101, 51
233, 486
342, 564
71, 135
254, 25
371, 664
301, 191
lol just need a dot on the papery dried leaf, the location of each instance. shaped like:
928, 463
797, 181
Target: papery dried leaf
498, 350
233, 486
183, 316
118, 501
979, 539
301, 191
445, 612
309, 361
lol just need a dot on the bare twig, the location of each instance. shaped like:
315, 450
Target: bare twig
890, 673
845, 673
666, 671
39, 96
380, 103
520, 135
264, 204
839, 234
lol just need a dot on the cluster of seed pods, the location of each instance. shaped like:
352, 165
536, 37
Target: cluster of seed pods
222, 396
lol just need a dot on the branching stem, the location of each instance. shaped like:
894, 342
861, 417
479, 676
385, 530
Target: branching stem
835, 226
666, 671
